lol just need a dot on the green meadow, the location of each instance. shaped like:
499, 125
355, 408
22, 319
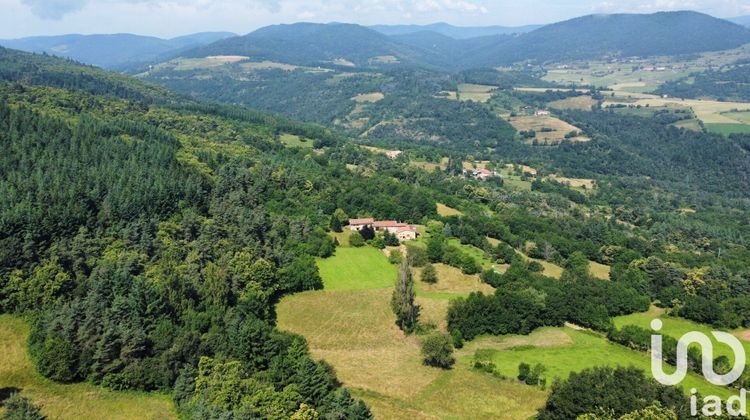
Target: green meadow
356, 269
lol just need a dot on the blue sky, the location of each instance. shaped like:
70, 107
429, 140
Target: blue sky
166, 18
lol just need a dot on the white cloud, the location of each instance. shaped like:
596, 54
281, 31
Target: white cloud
54, 9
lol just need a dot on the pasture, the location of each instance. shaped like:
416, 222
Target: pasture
727, 129
69, 401
476, 93
676, 328
581, 350
583, 102
357, 268
446, 211
368, 97
291, 140
354, 329
549, 130
451, 283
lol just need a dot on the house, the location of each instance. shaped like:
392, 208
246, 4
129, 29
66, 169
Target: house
483, 174
358, 224
393, 154
541, 112
406, 233
388, 225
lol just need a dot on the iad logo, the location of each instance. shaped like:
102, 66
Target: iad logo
712, 405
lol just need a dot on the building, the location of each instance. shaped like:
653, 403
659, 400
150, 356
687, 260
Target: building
393, 154
358, 224
541, 112
403, 231
406, 233
483, 174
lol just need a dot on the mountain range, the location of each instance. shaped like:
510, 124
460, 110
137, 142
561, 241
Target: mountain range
438, 46
113, 51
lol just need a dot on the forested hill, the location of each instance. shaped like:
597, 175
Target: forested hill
618, 35
315, 44
112, 50
148, 244
42, 70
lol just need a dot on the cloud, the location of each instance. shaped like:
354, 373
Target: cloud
54, 9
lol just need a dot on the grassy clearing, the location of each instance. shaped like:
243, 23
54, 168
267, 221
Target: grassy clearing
727, 129
586, 350
691, 124
742, 117
268, 65
357, 268
291, 140
479, 255
574, 182
368, 97
558, 128
676, 328
599, 271
446, 211
517, 184
550, 269
476, 93
74, 401
343, 236
583, 102
451, 283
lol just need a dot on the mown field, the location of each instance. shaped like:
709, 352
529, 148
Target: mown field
676, 328
350, 324
68, 401
565, 350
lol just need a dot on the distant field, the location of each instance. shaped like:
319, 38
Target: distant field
73, 401
451, 283
727, 129
708, 111
517, 184
574, 182
477, 93
599, 270
478, 254
585, 350
689, 125
268, 65
537, 123
291, 140
445, 211
368, 97
550, 269
357, 268
676, 328
583, 102
743, 117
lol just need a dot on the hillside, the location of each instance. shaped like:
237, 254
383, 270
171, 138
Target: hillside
112, 51
40, 70
455, 32
319, 44
741, 20
619, 35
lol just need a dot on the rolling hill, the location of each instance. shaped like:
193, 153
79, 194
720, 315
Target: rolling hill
455, 32
112, 51
618, 35
741, 20
316, 44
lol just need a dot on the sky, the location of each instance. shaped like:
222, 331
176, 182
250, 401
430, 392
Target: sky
169, 18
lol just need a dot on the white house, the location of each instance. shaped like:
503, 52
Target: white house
358, 224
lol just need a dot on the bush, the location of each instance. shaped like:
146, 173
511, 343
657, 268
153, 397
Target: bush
417, 256
395, 256
356, 240
535, 267
437, 351
429, 275
21, 408
458, 339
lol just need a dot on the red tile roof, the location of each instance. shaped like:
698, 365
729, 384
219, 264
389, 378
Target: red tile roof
355, 222
388, 223
407, 228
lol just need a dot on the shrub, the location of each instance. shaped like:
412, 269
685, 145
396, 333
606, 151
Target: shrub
21, 408
429, 275
356, 240
395, 256
437, 351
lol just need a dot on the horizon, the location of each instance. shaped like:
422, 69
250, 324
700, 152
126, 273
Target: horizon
27, 18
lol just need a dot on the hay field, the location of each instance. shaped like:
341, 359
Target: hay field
477, 93
368, 97
558, 127
69, 401
446, 211
291, 140
583, 102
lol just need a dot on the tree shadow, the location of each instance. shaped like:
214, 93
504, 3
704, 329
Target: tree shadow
5, 393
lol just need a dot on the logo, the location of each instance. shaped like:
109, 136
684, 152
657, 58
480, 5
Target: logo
712, 405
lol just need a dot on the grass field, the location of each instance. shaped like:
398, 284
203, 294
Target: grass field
676, 328
584, 350
445, 211
600, 271
517, 184
451, 283
583, 102
357, 268
353, 328
727, 129
74, 401
291, 140
691, 124
537, 123
368, 97
477, 93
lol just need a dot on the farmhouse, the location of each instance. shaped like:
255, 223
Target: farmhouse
541, 112
358, 224
483, 174
403, 231
393, 154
